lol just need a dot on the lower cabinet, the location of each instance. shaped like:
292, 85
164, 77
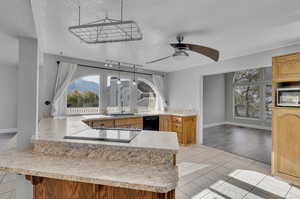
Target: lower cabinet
165, 123
286, 139
104, 123
129, 123
48, 188
185, 127
136, 122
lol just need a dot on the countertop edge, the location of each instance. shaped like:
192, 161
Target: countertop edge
127, 185
72, 142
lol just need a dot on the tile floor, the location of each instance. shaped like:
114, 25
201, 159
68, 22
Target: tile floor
251, 143
206, 173
7, 180
209, 173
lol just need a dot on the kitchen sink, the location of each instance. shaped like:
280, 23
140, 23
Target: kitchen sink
121, 114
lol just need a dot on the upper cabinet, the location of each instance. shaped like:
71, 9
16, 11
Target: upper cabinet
286, 68
286, 120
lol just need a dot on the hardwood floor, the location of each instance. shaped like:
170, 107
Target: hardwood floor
247, 142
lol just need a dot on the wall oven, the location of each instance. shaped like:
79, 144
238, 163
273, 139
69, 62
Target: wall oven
288, 97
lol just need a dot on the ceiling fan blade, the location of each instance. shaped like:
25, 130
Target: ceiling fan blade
157, 60
209, 52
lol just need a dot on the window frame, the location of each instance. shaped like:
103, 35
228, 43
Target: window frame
262, 84
119, 94
100, 103
103, 101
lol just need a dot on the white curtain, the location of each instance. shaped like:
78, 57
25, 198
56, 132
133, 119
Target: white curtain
158, 82
64, 77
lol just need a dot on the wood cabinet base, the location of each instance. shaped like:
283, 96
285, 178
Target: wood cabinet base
48, 188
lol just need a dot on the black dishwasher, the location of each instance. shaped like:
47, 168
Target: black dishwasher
151, 123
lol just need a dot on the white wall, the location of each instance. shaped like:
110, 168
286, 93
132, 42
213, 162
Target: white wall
214, 100
185, 87
8, 102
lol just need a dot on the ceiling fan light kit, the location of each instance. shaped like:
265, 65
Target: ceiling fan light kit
107, 30
181, 48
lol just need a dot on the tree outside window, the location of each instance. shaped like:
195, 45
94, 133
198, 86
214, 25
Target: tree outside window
84, 92
121, 95
252, 94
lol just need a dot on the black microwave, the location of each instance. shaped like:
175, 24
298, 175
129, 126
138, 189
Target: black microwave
288, 97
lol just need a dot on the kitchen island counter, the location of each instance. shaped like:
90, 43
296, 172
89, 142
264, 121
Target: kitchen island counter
146, 165
53, 131
122, 174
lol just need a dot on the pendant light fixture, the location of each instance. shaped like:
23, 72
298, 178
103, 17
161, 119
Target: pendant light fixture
134, 81
119, 78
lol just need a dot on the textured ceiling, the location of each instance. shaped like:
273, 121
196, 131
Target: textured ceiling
234, 27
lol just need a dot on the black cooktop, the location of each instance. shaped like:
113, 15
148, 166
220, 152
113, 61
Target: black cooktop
109, 135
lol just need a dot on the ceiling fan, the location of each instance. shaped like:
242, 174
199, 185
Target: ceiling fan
181, 48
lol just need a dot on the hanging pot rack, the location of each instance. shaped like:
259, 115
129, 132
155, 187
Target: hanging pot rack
107, 30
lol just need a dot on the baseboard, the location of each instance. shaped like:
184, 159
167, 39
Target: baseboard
214, 124
237, 124
249, 126
11, 130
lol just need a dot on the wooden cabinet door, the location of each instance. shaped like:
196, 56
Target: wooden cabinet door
104, 123
189, 129
286, 67
129, 123
286, 141
165, 123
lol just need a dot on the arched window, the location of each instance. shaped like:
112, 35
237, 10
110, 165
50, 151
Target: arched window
83, 95
118, 94
146, 97
252, 94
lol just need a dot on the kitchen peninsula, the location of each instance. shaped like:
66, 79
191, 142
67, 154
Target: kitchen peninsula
184, 124
61, 168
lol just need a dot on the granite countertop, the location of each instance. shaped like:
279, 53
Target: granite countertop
53, 130
103, 117
146, 163
111, 173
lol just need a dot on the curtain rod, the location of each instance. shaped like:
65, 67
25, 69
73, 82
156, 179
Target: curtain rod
111, 69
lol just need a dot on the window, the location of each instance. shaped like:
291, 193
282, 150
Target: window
268, 101
115, 95
247, 101
146, 97
119, 93
252, 94
84, 93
